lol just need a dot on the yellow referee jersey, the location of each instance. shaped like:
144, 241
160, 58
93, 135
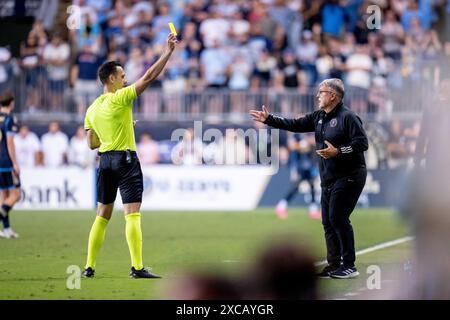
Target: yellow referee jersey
111, 117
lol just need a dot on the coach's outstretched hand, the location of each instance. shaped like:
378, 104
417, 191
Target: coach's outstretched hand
260, 116
171, 41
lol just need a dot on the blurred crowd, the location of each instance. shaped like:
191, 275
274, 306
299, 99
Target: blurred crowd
391, 147
281, 45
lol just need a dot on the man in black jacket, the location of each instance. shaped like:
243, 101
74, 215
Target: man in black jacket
340, 143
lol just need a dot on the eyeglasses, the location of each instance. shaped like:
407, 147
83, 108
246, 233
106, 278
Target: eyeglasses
321, 91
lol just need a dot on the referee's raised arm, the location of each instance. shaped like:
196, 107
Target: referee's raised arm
153, 72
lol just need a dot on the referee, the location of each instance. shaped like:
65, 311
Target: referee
109, 125
340, 143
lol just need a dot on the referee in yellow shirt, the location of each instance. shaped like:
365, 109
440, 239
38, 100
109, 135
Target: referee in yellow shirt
109, 125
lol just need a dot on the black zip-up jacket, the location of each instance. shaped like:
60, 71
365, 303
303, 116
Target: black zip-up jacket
342, 128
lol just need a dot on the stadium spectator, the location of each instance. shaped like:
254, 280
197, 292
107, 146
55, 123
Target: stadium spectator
289, 71
161, 23
214, 61
30, 55
84, 78
286, 14
47, 13
315, 30
55, 145
141, 29
392, 35
302, 167
420, 10
307, 51
192, 44
79, 153
333, 18
174, 81
28, 148
56, 55
152, 97
148, 150
264, 69
289, 77
38, 31
264, 25
6, 70
324, 64
396, 145
88, 34
135, 65
359, 76
238, 25
239, 73
189, 150
214, 30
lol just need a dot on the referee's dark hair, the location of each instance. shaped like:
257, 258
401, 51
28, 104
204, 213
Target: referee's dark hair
106, 69
6, 98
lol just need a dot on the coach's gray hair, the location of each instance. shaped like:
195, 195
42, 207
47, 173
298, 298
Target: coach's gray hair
335, 84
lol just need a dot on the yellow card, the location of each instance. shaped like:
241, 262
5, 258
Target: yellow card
172, 29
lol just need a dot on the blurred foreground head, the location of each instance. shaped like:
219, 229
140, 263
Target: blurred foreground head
427, 198
283, 271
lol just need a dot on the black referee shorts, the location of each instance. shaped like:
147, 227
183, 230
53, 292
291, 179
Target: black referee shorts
116, 172
9, 180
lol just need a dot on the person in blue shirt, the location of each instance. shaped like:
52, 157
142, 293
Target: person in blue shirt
9, 168
302, 164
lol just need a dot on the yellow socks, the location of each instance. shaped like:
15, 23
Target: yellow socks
96, 238
134, 239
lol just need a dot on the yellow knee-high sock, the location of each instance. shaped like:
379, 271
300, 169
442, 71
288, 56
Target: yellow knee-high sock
96, 238
133, 233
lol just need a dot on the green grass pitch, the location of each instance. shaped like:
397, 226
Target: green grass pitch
34, 266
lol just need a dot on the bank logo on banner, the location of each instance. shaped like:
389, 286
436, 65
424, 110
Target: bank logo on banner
59, 188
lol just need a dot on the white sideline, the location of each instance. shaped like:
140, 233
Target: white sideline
358, 253
374, 248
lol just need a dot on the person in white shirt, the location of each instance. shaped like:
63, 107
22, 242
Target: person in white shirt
79, 152
359, 66
215, 28
27, 147
56, 56
148, 150
54, 146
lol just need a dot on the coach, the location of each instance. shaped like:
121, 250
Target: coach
340, 142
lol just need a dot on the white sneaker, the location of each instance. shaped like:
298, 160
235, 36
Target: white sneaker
314, 212
281, 209
2, 235
10, 233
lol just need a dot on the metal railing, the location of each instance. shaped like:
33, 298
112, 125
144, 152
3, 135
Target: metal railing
37, 97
